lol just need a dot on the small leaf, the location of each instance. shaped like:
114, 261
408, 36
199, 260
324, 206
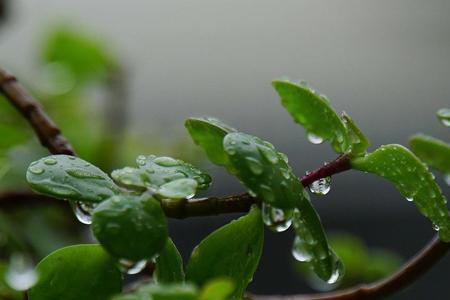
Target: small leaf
69, 177
432, 151
412, 178
314, 113
77, 272
153, 291
169, 265
444, 116
217, 289
232, 251
359, 141
208, 133
263, 170
178, 189
130, 227
166, 176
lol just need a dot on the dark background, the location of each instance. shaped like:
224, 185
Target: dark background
387, 63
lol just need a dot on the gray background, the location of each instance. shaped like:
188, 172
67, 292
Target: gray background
387, 63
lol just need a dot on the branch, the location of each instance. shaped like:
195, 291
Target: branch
49, 135
410, 272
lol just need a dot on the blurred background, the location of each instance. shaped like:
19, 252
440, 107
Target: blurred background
121, 77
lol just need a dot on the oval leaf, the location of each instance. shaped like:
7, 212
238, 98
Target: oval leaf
314, 113
169, 265
413, 179
77, 272
130, 227
431, 151
69, 177
208, 133
232, 251
263, 170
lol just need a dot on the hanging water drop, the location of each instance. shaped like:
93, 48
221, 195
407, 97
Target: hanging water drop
314, 139
300, 251
410, 199
276, 219
21, 274
321, 186
130, 267
337, 272
83, 211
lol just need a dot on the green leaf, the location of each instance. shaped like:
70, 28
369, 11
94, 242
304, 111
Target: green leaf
77, 272
169, 265
314, 113
413, 180
208, 133
232, 251
263, 170
166, 176
153, 291
359, 141
217, 289
69, 177
431, 151
130, 227
444, 116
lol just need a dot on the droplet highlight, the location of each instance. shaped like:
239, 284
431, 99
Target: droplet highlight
276, 219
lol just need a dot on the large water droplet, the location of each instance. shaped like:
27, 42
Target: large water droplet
21, 274
130, 267
36, 170
410, 199
300, 251
141, 160
83, 211
254, 165
276, 219
50, 161
338, 271
165, 161
321, 186
314, 139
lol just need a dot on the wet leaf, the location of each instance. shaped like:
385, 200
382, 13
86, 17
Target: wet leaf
431, 151
359, 141
169, 265
314, 113
153, 291
130, 227
208, 133
232, 251
413, 180
77, 272
69, 177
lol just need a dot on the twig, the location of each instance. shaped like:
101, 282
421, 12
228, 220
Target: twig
49, 135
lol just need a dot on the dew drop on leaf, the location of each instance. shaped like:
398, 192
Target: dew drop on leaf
314, 139
338, 271
83, 211
321, 186
50, 161
130, 267
21, 274
254, 165
165, 161
299, 250
36, 170
276, 219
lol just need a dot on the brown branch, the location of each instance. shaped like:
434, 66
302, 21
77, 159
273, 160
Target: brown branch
49, 135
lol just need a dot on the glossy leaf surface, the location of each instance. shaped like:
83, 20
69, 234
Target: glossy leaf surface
431, 151
169, 265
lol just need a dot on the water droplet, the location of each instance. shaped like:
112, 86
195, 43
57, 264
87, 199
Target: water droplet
269, 154
83, 174
254, 165
314, 139
130, 267
50, 161
83, 211
165, 161
36, 170
436, 227
410, 199
276, 219
141, 160
300, 251
444, 116
321, 186
338, 270
21, 274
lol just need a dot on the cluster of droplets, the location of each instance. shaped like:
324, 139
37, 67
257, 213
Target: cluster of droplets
321, 186
276, 219
83, 211
21, 274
